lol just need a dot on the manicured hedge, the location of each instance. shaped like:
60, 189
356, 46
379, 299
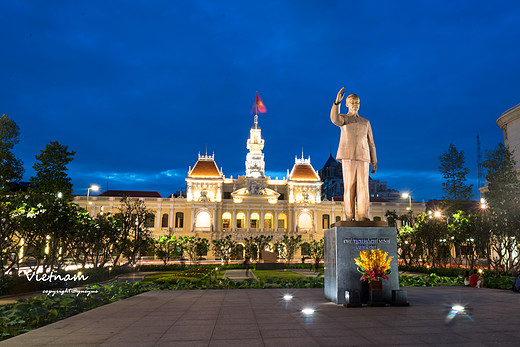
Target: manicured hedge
35, 312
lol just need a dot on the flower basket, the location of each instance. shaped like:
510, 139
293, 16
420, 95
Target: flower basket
374, 265
375, 285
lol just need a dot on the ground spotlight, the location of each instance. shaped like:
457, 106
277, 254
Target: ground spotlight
308, 311
287, 297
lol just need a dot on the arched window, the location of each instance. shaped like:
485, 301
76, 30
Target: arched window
164, 221
203, 220
377, 219
325, 221
338, 218
179, 220
226, 220
254, 221
268, 221
149, 222
241, 220
305, 221
282, 221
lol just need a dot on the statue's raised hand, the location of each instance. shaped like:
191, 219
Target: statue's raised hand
340, 96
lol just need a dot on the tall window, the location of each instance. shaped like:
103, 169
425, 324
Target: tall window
149, 222
179, 220
241, 220
268, 221
164, 221
282, 221
338, 218
325, 221
226, 220
255, 220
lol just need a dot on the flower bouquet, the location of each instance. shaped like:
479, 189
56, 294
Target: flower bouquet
374, 265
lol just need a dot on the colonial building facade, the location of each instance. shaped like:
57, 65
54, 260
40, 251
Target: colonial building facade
253, 204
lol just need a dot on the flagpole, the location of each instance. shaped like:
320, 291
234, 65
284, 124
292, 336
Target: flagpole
256, 109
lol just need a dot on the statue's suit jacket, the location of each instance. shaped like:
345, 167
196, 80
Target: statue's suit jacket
356, 142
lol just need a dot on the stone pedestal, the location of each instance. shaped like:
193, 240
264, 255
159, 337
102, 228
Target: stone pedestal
342, 245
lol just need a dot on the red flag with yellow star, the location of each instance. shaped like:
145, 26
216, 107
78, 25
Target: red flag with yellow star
258, 106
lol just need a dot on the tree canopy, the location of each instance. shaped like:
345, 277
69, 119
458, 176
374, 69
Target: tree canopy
453, 170
51, 170
11, 167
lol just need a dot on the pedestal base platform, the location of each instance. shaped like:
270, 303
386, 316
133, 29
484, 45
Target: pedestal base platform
342, 245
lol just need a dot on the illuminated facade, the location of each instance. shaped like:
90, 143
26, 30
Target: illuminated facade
253, 204
509, 122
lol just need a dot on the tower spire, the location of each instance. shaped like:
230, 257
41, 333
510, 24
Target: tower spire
255, 164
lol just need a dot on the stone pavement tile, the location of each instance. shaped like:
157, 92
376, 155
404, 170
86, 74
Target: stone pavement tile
237, 343
133, 339
74, 339
246, 326
443, 338
490, 338
267, 334
195, 322
278, 326
503, 326
180, 333
237, 320
330, 332
164, 342
235, 334
351, 340
291, 342
400, 339
28, 341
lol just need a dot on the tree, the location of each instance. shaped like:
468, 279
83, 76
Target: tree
288, 246
195, 247
407, 244
254, 246
11, 168
51, 176
168, 247
503, 198
10, 240
454, 172
250, 248
432, 238
224, 248
316, 249
131, 221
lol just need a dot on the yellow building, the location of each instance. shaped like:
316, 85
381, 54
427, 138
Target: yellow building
253, 204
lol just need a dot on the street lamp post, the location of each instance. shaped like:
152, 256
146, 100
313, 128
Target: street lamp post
409, 197
409, 208
94, 188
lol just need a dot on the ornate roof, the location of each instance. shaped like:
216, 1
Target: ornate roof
131, 193
205, 168
303, 171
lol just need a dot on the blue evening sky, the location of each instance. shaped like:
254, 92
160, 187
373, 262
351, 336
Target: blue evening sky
139, 88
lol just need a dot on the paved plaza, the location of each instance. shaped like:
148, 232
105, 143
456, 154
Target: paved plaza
260, 317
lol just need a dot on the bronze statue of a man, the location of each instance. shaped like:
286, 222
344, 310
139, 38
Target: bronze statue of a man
356, 150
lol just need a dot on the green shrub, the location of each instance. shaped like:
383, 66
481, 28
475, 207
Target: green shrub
41, 310
499, 282
431, 280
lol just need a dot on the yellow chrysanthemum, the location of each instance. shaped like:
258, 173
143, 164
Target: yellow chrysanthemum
368, 260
